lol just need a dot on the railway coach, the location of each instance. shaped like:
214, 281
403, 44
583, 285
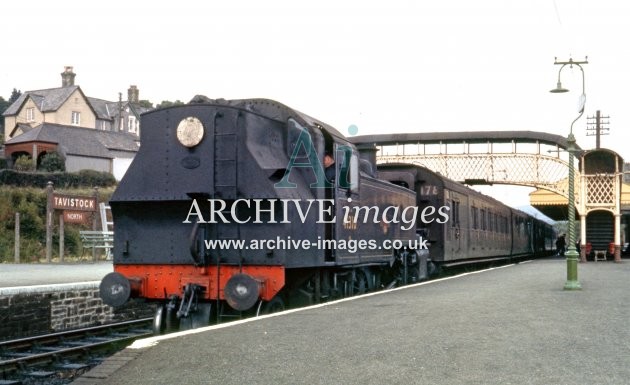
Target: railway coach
480, 228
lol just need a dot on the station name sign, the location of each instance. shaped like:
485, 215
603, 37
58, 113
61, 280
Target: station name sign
76, 216
71, 202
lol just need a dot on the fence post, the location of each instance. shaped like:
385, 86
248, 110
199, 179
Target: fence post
49, 220
17, 237
61, 237
94, 220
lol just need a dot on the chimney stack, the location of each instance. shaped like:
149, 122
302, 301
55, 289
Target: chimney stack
133, 94
67, 77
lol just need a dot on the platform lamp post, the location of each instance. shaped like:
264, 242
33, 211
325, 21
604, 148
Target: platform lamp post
572, 282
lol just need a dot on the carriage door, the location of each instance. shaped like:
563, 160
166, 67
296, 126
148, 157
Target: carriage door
455, 231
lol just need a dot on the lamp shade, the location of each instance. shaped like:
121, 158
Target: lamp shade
559, 89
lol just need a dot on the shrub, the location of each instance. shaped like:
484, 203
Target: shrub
91, 178
31, 205
52, 162
24, 163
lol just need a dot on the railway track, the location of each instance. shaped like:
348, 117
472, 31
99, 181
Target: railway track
52, 357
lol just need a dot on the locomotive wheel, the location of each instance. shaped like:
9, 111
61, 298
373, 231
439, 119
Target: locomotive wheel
415, 274
423, 270
433, 269
203, 316
171, 323
274, 306
359, 284
159, 320
372, 278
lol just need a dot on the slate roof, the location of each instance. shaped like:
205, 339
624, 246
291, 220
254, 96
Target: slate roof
103, 108
46, 100
138, 109
24, 127
109, 110
80, 141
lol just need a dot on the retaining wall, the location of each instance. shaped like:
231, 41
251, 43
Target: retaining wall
31, 310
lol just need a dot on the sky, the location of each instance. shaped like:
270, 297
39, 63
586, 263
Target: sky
387, 67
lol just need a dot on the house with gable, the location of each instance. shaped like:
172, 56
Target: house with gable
90, 133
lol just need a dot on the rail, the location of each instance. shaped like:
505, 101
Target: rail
38, 350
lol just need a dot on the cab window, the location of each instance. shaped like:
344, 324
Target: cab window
348, 168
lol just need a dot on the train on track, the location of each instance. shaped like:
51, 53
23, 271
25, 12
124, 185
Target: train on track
247, 206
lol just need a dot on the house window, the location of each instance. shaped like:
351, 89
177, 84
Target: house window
76, 118
132, 124
30, 114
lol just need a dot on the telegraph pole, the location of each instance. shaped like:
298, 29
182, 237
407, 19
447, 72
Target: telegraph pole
596, 127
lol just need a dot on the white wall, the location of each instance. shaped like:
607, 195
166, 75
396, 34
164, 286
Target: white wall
76, 163
120, 167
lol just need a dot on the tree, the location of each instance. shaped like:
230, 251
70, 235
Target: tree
168, 103
145, 104
15, 94
4, 104
3, 107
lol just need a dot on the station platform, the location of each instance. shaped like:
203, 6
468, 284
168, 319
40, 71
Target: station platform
509, 325
39, 274
42, 298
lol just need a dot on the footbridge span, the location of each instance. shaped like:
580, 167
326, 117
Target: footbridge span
525, 158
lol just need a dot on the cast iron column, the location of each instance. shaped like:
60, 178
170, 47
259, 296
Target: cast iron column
572, 282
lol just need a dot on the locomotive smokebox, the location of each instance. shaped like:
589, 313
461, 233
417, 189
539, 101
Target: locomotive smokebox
242, 292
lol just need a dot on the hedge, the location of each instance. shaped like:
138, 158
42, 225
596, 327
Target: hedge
83, 178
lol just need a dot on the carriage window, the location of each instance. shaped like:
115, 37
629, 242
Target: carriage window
490, 221
454, 213
401, 183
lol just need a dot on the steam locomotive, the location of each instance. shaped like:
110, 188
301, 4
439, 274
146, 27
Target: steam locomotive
231, 208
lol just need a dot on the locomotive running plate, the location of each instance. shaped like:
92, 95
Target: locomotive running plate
190, 131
